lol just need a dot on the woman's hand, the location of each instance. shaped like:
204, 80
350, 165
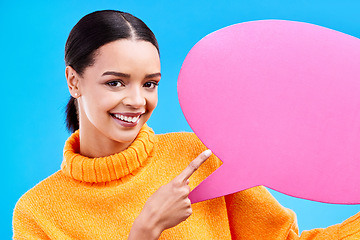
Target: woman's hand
168, 206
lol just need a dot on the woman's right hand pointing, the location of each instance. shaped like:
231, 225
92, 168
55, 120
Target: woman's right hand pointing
168, 206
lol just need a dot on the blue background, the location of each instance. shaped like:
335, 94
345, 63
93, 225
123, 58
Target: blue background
34, 91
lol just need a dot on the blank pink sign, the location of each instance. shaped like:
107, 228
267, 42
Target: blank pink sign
279, 103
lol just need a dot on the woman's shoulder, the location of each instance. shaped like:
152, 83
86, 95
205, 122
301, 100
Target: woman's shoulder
185, 145
43, 191
179, 134
181, 142
179, 138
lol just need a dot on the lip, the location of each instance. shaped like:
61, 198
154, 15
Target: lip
124, 123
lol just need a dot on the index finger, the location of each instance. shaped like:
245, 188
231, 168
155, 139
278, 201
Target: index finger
194, 165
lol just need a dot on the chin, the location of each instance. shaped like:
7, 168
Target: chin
128, 134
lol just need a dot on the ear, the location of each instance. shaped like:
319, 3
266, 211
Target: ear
72, 79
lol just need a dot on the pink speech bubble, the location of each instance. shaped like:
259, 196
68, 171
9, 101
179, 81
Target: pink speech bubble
279, 103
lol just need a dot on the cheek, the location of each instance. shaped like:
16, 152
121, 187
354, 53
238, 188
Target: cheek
152, 102
96, 103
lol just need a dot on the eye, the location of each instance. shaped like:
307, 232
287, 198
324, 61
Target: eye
116, 83
151, 85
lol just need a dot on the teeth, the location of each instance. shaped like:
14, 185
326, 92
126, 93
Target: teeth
127, 119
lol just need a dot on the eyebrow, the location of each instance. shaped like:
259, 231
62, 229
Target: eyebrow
120, 74
153, 75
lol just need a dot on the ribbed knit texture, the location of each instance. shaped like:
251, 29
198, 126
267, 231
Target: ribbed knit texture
99, 198
108, 168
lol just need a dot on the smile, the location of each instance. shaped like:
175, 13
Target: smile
128, 119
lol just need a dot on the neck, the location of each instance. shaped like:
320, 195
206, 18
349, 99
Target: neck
93, 144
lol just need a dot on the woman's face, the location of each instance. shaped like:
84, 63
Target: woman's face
118, 94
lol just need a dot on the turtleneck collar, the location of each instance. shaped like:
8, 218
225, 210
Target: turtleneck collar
109, 168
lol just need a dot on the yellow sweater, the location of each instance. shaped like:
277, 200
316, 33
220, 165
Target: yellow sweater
99, 198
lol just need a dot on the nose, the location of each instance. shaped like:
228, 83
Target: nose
134, 98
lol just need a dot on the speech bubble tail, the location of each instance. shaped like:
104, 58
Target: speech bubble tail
217, 185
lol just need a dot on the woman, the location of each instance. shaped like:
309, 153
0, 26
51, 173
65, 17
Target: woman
119, 180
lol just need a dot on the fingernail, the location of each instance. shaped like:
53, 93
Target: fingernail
207, 153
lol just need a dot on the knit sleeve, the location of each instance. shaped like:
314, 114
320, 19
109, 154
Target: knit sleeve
24, 224
255, 214
348, 230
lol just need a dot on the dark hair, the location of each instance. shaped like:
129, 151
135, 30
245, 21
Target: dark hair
89, 34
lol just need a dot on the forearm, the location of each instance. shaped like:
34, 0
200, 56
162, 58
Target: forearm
144, 228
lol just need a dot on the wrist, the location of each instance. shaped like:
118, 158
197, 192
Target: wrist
144, 228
